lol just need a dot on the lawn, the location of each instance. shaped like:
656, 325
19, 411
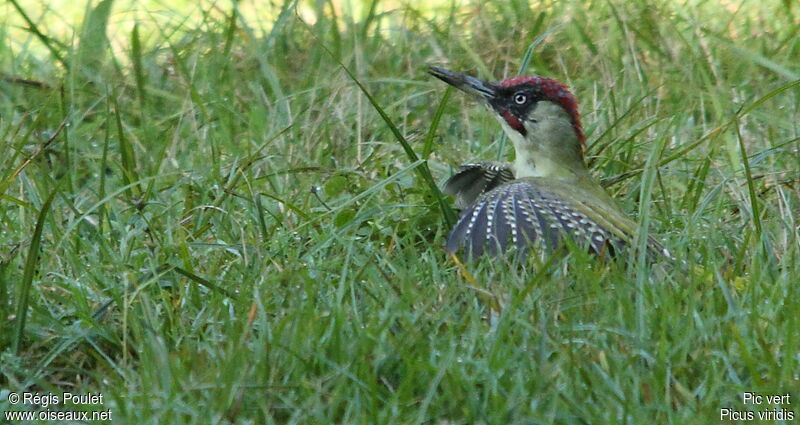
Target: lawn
204, 217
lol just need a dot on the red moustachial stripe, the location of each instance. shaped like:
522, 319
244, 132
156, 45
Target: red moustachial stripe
512, 121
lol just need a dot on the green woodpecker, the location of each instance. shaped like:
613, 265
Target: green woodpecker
548, 192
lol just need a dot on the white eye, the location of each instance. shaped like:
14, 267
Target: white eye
520, 98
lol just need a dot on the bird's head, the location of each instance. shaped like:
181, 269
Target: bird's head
539, 114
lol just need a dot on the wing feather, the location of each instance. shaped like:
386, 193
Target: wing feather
475, 179
521, 214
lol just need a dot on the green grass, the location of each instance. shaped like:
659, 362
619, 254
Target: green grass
236, 236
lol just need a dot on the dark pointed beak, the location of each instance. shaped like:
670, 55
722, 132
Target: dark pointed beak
465, 83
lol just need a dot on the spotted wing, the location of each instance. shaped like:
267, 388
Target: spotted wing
475, 179
521, 214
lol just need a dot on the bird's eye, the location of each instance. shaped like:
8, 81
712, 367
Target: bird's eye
520, 98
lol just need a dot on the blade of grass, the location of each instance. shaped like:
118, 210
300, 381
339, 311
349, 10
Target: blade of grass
754, 209
759, 59
90, 210
4, 184
642, 239
528, 56
370, 17
230, 32
136, 59
197, 279
369, 192
437, 116
47, 41
422, 171
27, 276
93, 43
596, 148
697, 185
334, 31
73, 337
233, 181
128, 158
710, 135
104, 210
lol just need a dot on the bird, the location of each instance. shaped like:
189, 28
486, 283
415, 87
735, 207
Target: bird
547, 195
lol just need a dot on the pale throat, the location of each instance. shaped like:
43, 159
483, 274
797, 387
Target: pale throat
532, 158
531, 162
550, 148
